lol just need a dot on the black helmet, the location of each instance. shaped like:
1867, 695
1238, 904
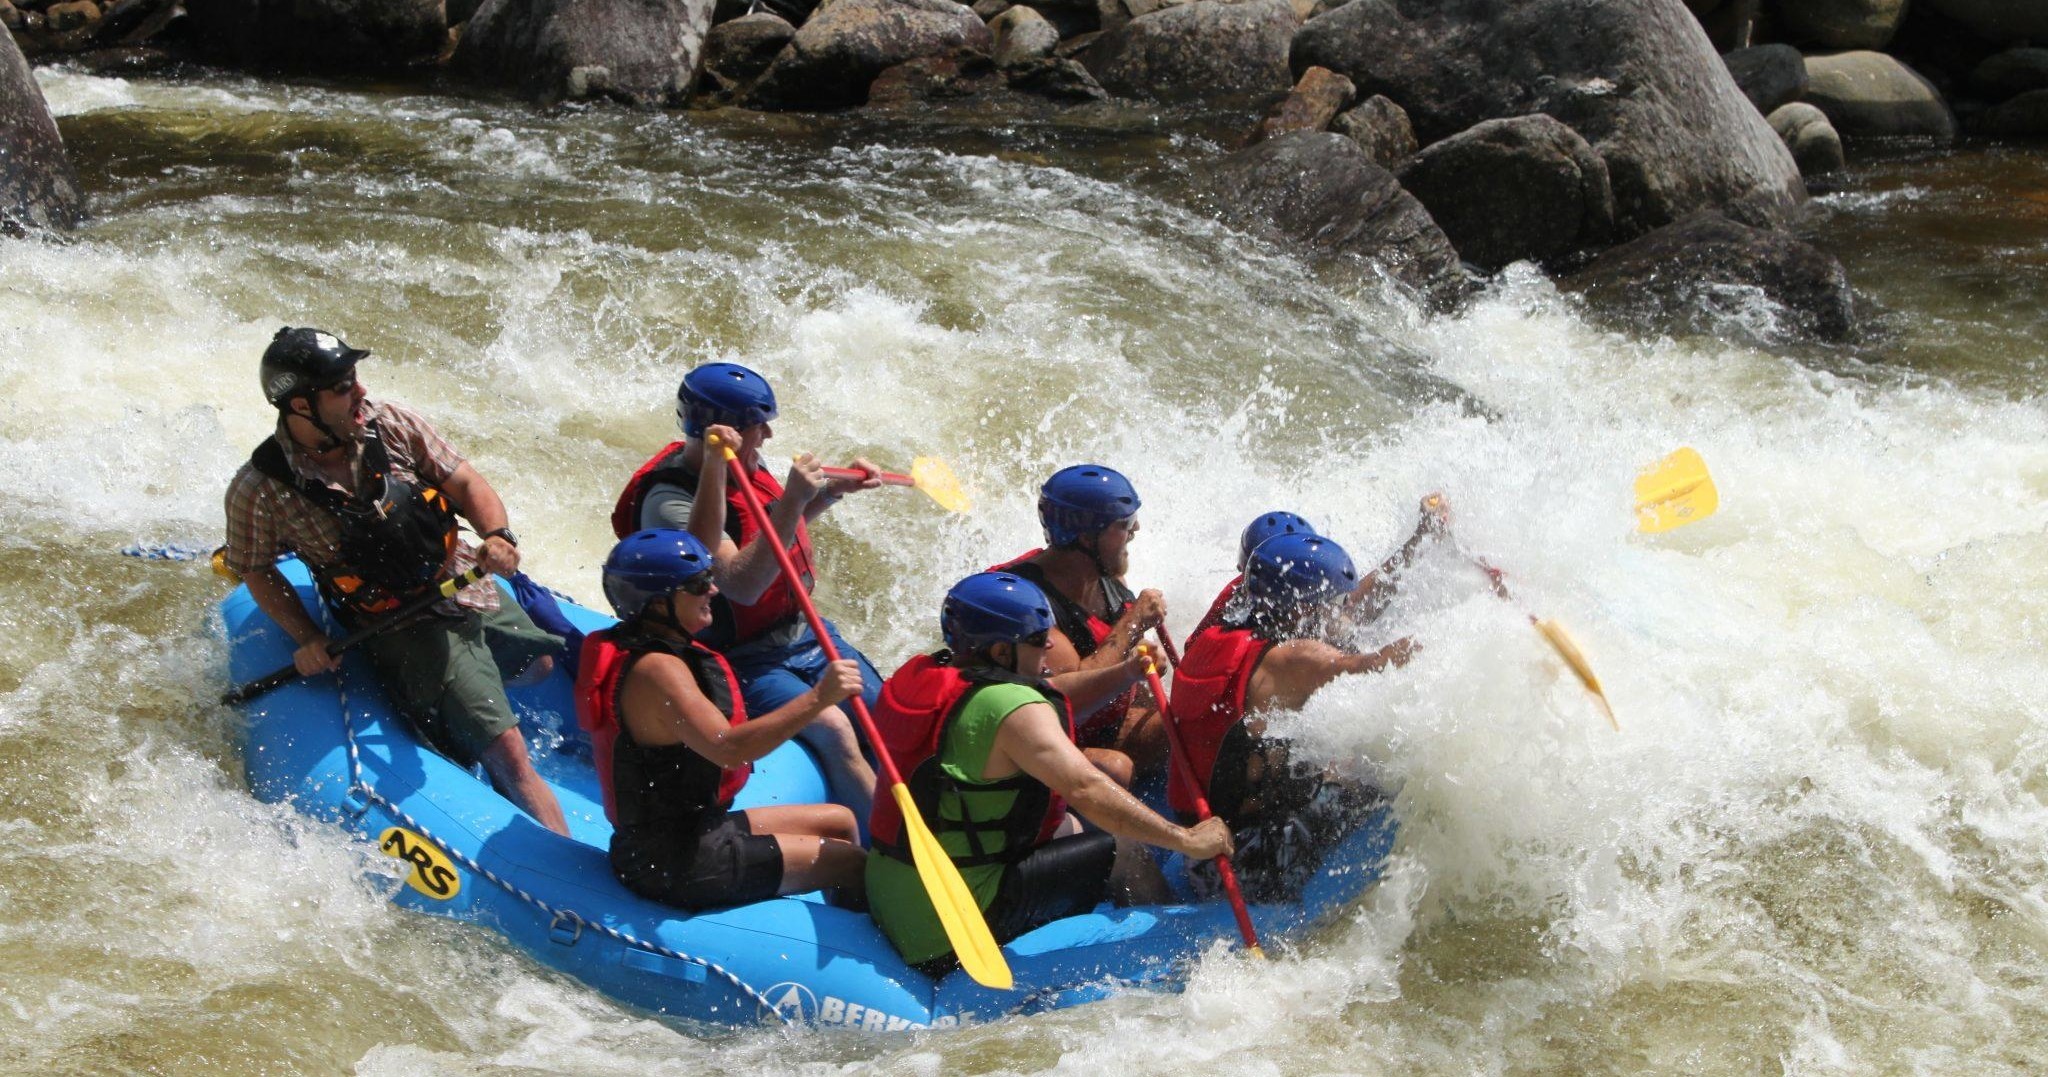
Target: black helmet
300, 361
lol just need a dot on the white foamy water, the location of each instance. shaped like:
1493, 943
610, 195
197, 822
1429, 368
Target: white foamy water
1813, 846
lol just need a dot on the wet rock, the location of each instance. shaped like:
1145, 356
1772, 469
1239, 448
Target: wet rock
1841, 24
2003, 21
1811, 138
1509, 190
72, 15
10, 16
1872, 95
1638, 80
645, 53
930, 80
1315, 101
737, 51
38, 190
1320, 189
132, 21
1769, 75
1381, 128
1069, 17
987, 10
839, 52
1022, 36
317, 35
1061, 81
2010, 73
1706, 274
1208, 50
2025, 116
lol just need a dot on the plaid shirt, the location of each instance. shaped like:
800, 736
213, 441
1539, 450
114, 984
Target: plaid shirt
267, 518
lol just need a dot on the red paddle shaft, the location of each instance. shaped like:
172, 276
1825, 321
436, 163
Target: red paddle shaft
889, 478
1184, 773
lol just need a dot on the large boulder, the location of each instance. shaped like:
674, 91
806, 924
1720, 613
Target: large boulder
1205, 50
840, 50
1872, 95
739, 49
1812, 139
1022, 36
2010, 73
1320, 189
38, 190
2025, 116
317, 35
2003, 21
645, 53
1841, 24
1527, 187
1706, 274
1381, 128
1769, 75
1638, 80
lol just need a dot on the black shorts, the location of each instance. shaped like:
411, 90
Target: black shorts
718, 862
1064, 877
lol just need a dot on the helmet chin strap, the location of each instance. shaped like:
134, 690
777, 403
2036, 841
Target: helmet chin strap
330, 441
668, 618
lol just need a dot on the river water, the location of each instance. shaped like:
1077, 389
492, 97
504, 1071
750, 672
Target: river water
1815, 845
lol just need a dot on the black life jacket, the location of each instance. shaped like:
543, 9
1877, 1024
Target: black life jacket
394, 543
649, 789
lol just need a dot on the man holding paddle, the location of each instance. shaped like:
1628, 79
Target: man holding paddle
757, 621
366, 494
1269, 652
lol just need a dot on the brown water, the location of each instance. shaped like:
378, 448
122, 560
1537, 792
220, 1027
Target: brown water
1815, 846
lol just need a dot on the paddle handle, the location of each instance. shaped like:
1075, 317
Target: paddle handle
1172, 652
803, 600
1183, 772
281, 677
889, 478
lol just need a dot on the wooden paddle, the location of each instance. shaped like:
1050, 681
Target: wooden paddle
927, 473
966, 927
1183, 772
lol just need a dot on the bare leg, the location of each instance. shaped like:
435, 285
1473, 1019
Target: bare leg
535, 672
510, 767
819, 845
1143, 738
847, 772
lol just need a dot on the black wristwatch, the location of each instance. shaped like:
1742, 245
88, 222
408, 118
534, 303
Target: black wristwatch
503, 533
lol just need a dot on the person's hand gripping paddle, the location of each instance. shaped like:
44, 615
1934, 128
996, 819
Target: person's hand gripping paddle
1183, 772
444, 590
966, 927
927, 473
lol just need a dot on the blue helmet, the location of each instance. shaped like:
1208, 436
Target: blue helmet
1289, 569
1082, 500
993, 607
1268, 526
723, 393
647, 565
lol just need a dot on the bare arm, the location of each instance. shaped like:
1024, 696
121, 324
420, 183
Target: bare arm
275, 596
661, 704
1146, 612
1295, 670
752, 569
1032, 740
1088, 688
1369, 599
480, 505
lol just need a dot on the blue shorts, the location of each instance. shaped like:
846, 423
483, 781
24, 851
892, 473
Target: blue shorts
773, 675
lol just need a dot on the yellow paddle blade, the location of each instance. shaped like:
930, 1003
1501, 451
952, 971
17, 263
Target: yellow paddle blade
962, 918
1675, 491
1568, 649
930, 474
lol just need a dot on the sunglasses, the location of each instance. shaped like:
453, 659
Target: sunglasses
346, 385
698, 585
1042, 639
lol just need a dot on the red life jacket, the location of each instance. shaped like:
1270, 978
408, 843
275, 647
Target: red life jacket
736, 624
1215, 615
1208, 699
1086, 632
666, 780
916, 705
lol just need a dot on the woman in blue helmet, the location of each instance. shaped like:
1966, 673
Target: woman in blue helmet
986, 744
1090, 513
672, 744
757, 622
1269, 652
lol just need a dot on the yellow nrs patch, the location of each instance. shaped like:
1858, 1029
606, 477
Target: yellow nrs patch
432, 874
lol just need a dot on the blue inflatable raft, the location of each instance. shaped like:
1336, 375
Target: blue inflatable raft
330, 747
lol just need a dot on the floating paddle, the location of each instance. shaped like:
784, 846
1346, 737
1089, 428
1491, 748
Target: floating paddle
927, 473
966, 927
1675, 491
1184, 772
446, 589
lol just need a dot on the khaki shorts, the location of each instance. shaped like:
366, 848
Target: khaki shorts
446, 673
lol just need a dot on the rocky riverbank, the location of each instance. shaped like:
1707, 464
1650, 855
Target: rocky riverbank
1642, 152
